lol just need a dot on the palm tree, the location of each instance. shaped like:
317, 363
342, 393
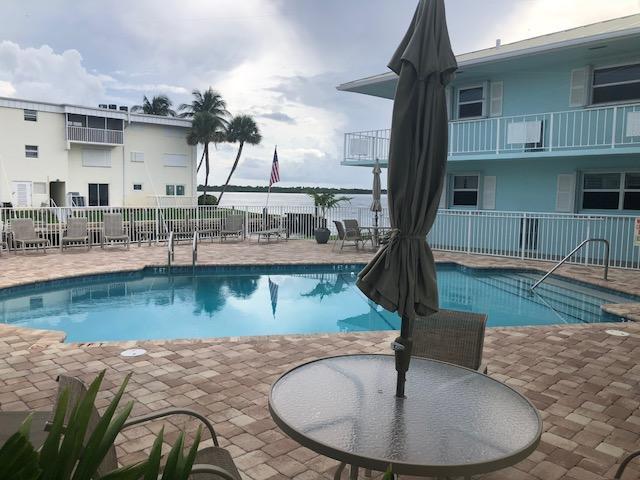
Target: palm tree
210, 101
323, 201
206, 129
242, 129
158, 105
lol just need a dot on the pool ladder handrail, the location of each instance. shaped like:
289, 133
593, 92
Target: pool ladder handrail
170, 250
572, 252
194, 248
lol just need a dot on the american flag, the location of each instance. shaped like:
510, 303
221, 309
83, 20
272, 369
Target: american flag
275, 168
273, 293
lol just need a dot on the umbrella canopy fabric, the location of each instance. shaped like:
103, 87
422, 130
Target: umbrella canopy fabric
376, 190
401, 277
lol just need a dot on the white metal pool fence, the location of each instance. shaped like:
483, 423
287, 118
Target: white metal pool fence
525, 235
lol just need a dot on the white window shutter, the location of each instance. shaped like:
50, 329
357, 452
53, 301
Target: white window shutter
175, 160
447, 95
96, 157
489, 193
579, 87
495, 99
566, 193
443, 195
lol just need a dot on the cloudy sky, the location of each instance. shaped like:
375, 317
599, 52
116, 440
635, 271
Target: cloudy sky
278, 60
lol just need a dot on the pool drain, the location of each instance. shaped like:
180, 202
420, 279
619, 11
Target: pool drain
617, 333
133, 352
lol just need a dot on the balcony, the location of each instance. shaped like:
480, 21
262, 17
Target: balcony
95, 135
611, 129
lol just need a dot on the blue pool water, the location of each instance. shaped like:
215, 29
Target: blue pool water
221, 302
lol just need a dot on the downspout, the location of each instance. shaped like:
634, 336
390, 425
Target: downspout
123, 165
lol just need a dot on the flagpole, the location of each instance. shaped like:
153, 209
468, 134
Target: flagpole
266, 206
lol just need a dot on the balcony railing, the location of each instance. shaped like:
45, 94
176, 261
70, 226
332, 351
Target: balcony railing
94, 135
612, 127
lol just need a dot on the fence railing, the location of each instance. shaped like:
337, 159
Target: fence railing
94, 135
525, 235
600, 128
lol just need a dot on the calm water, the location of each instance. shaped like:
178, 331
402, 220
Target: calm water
270, 301
287, 199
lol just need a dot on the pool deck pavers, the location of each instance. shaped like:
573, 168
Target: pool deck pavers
585, 381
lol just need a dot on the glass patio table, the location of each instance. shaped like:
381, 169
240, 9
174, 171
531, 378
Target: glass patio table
453, 421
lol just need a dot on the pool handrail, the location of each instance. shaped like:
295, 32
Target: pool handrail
170, 251
194, 248
580, 245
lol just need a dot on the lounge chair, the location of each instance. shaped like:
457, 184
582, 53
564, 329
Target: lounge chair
77, 233
113, 230
344, 236
24, 234
210, 462
354, 231
451, 336
233, 227
279, 233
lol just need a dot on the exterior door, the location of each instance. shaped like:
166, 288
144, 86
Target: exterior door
98, 194
21, 194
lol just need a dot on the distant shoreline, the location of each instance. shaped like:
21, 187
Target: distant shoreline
247, 188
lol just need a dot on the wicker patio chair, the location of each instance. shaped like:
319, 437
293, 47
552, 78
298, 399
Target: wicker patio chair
233, 227
211, 462
353, 230
113, 230
451, 336
77, 233
24, 234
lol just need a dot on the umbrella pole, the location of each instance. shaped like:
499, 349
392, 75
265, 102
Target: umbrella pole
402, 347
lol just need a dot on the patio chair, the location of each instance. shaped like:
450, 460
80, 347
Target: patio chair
451, 336
623, 465
354, 230
210, 463
233, 227
344, 236
113, 230
24, 234
77, 233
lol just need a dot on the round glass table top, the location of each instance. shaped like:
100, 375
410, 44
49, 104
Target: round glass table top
452, 421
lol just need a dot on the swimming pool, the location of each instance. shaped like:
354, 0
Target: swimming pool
247, 301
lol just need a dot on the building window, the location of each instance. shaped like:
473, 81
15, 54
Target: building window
96, 122
98, 194
631, 200
31, 151
465, 190
137, 157
31, 115
174, 190
616, 84
471, 102
137, 187
115, 124
611, 191
75, 120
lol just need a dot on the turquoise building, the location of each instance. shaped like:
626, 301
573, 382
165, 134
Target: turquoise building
544, 146
548, 124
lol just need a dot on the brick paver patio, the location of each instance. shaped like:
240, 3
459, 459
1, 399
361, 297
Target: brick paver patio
585, 382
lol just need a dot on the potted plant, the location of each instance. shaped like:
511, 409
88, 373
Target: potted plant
64, 455
322, 201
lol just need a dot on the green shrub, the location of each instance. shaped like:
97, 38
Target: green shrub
206, 199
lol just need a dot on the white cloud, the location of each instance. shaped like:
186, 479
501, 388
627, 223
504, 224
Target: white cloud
6, 89
42, 74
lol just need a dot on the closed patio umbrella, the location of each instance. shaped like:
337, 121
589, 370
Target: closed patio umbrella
401, 277
376, 204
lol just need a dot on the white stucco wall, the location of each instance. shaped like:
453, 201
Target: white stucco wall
59, 161
48, 134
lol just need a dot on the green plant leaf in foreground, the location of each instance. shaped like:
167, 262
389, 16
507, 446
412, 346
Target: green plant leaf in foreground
18, 458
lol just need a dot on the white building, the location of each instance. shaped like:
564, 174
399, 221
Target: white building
65, 155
